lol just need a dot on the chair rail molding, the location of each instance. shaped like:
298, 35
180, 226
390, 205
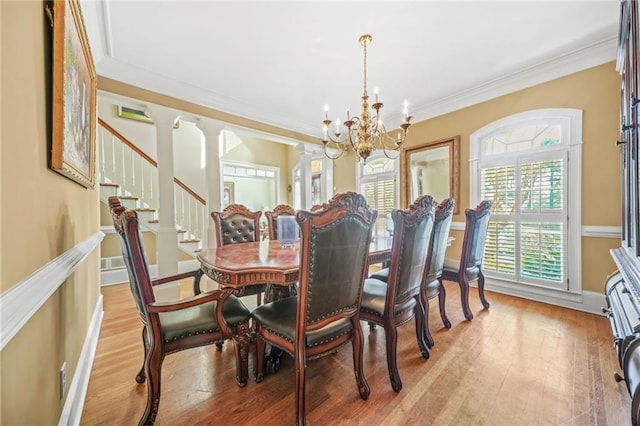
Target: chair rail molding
19, 303
602, 231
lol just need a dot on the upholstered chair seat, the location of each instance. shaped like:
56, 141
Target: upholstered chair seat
279, 318
201, 319
374, 297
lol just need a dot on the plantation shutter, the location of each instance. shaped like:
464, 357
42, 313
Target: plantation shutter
379, 193
526, 234
498, 185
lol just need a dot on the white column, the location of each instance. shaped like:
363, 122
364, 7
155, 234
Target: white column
211, 131
327, 178
306, 154
167, 236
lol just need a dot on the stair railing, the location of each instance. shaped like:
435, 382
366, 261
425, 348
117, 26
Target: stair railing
123, 163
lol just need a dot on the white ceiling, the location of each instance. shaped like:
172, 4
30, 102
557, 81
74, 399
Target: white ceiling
281, 62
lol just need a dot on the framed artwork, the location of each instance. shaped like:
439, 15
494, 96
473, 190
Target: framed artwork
228, 195
134, 114
74, 96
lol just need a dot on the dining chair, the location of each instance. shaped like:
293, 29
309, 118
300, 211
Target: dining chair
272, 218
326, 312
393, 303
432, 286
273, 292
470, 267
236, 224
169, 327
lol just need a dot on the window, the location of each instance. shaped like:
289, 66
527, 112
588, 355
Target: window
528, 165
377, 180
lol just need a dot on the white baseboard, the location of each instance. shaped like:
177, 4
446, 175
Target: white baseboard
586, 301
73, 405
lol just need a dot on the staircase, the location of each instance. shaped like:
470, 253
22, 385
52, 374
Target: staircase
124, 170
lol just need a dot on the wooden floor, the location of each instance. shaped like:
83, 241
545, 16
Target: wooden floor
518, 363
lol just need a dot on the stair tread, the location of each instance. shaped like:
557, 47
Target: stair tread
110, 184
154, 221
145, 209
127, 197
194, 240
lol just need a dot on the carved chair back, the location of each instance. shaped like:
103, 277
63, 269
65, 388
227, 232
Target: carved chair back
236, 224
409, 250
131, 245
333, 260
440, 238
272, 218
475, 235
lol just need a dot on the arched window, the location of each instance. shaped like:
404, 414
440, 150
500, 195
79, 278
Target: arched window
529, 166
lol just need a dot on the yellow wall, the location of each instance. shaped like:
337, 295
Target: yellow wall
43, 214
596, 92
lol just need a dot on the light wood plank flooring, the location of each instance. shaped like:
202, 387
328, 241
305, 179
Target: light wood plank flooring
518, 363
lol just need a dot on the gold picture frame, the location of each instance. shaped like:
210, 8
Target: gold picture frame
74, 96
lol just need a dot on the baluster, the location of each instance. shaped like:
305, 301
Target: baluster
118, 165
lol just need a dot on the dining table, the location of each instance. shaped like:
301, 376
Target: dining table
237, 266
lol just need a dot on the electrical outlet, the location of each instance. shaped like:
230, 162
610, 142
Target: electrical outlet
63, 379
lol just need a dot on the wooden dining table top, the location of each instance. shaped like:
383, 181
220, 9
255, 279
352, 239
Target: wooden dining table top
238, 265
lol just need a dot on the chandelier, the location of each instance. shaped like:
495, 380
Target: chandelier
365, 133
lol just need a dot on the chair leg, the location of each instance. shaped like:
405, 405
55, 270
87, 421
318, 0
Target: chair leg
300, 365
464, 298
259, 358
358, 349
140, 377
442, 296
425, 341
153, 370
241, 345
483, 300
428, 338
391, 334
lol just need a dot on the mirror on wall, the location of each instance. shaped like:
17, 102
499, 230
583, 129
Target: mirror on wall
432, 168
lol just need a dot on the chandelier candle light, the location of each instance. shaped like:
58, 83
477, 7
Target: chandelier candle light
365, 133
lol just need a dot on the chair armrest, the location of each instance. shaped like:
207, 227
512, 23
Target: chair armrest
217, 295
189, 302
197, 274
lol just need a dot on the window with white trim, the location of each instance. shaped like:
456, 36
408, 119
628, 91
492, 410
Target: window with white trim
377, 180
529, 166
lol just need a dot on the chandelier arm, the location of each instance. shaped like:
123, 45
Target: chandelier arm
385, 151
330, 157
